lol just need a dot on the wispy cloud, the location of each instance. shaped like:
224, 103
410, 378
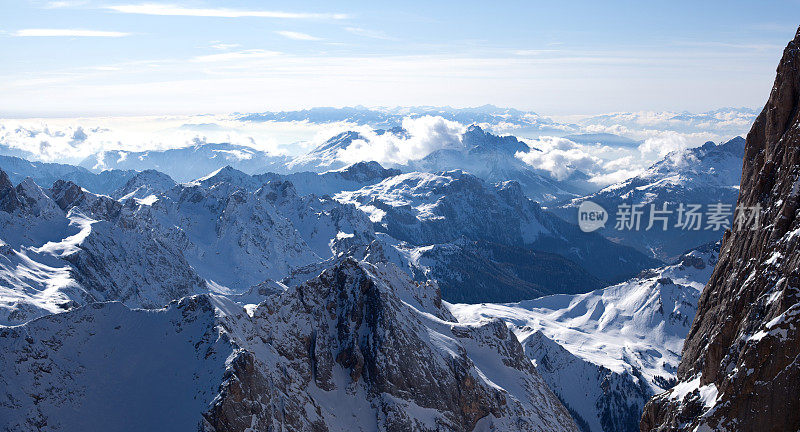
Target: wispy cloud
534, 52
223, 46
236, 55
67, 33
172, 10
63, 4
374, 34
297, 35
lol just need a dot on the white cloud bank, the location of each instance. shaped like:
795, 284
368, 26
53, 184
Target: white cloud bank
561, 157
424, 135
604, 164
71, 140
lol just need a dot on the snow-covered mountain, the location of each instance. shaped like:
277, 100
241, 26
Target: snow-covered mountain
605, 353
331, 182
423, 209
361, 347
237, 231
143, 185
325, 157
488, 156
704, 175
63, 247
482, 271
493, 158
189, 163
45, 174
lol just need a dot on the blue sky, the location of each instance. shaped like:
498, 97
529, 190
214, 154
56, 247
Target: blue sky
81, 58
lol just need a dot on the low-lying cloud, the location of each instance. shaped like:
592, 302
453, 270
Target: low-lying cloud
560, 157
422, 136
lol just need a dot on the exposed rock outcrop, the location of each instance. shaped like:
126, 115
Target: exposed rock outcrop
740, 369
368, 340
359, 348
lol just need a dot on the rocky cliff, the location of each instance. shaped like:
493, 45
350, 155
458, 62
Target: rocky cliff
361, 347
740, 368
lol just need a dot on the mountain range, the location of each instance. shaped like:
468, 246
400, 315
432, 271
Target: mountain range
702, 176
288, 293
188, 163
216, 287
605, 353
491, 157
451, 215
360, 347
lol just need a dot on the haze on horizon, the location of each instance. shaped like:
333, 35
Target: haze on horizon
96, 58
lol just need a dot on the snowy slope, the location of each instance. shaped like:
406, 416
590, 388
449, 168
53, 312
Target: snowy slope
492, 158
143, 185
359, 348
63, 247
331, 182
606, 352
45, 174
106, 367
324, 157
188, 163
424, 209
702, 175
227, 231
236, 232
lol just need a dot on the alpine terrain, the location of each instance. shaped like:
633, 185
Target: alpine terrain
740, 365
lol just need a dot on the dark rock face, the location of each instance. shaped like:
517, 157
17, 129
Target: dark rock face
347, 336
479, 271
740, 368
9, 201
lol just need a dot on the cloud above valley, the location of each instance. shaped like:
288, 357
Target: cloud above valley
72, 140
422, 136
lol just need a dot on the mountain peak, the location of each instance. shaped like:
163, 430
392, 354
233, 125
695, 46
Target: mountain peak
143, 184
366, 171
5, 182
338, 141
66, 193
9, 200
734, 146
226, 174
479, 141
